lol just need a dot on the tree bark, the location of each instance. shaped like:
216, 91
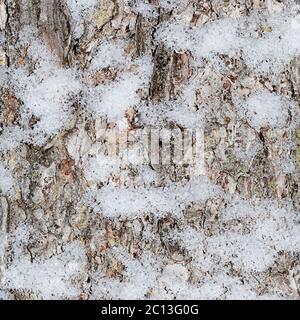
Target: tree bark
50, 178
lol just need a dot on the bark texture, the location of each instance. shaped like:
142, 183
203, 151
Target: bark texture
51, 185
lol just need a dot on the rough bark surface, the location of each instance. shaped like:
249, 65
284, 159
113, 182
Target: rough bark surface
47, 220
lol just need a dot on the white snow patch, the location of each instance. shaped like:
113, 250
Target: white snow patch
113, 99
78, 9
245, 251
50, 278
264, 109
268, 52
47, 95
113, 202
140, 275
171, 111
142, 7
100, 168
109, 54
7, 182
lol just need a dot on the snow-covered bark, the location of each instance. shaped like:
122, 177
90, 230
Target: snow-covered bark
77, 222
